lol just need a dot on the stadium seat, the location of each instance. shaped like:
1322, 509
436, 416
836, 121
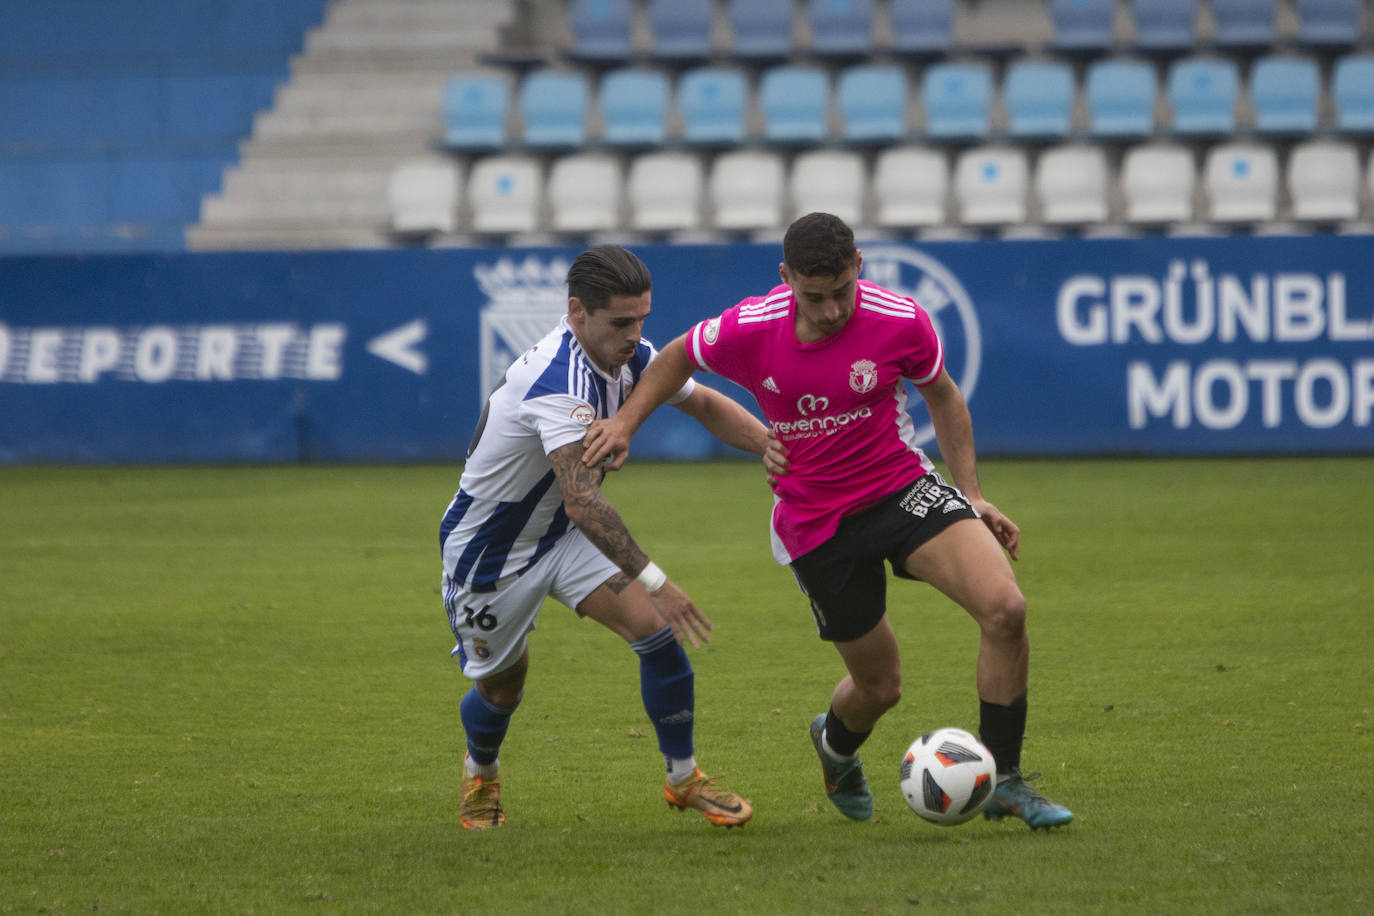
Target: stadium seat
1242, 183
1324, 181
1157, 183
829, 180
794, 101
1121, 98
1285, 92
1071, 184
990, 183
1352, 90
553, 108
505, 194
872, 102
746, 190
600, 29
1083, 25
921, 27
475, 111
682, 29
1202, 93
713, 103
1244, 23
634, 107
1165, 25
840, 28
956, 98
762, 29
1038, 96
585, 193
910, 186
1328, 23
423, 195
665, 191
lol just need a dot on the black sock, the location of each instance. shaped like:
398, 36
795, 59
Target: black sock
841, 740
1001, 729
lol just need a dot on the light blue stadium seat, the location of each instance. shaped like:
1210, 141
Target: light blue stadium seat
1202, 93
1328, 22
475, 108
872, 100
761, 28
1121, 98
1165, 25
956, 97
1244, 23
1038, 96
713, 103
921, 26
681, 28
553, 108
600, 29
1352, 90
634, 107
841, 28
794, 101
1082, 25
1285, 91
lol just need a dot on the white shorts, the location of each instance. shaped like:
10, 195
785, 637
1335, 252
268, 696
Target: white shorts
491, 626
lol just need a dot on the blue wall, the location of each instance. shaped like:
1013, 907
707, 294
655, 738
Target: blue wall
1151, 346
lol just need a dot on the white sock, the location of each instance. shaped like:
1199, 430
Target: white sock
680, 768
485, 770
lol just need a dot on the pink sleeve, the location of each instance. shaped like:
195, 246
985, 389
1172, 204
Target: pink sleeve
927, 355
712, 344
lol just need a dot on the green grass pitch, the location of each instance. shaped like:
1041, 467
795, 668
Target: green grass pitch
229, 691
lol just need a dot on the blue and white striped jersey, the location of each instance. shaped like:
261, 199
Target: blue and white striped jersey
509, 509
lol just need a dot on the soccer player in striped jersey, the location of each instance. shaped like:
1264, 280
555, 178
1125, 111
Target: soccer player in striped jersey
825, 353
529, 521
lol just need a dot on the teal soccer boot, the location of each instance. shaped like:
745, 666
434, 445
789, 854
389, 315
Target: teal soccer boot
1015, 798
844, 779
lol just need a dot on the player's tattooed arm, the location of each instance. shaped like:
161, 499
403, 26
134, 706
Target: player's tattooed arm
592, 512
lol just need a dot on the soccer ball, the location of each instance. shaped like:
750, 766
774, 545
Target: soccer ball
948, 776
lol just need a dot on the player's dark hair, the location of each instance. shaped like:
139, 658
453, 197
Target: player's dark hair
605, 271
818, 245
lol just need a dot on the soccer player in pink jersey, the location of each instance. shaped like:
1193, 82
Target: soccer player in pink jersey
825, 353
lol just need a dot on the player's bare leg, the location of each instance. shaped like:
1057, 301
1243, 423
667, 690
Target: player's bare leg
966, 563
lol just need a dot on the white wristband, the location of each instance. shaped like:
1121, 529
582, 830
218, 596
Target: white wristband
651, 577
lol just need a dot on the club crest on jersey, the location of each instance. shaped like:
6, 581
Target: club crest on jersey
863, 376
712, 330
583, 414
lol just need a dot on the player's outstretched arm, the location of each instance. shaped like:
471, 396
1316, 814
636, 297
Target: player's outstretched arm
665, 376
954, 432
590, 510
726, 419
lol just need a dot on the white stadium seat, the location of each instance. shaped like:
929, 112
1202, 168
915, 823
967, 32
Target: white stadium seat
423, 195
665, 191
1157, 182
747, 190
505, 194
1071, 182
990, 183
1324, 181
831, 181
585, 193
1242, 182
910, 186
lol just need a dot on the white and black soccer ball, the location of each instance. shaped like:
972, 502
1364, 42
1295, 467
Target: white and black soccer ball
948, 776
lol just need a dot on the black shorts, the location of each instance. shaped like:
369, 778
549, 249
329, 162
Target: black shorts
844, 577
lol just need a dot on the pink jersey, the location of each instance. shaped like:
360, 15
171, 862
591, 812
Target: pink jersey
838, 404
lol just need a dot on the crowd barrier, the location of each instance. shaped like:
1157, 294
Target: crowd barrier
1154, 346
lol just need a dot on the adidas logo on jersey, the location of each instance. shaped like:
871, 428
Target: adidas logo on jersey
771, 385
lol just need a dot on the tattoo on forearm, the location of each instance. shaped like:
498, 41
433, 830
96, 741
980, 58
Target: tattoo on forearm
618, 583
597, 518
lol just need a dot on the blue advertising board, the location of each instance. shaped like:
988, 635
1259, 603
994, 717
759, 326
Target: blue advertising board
1148, 346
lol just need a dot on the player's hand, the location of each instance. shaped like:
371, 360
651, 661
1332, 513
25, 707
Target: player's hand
606, 444
1002, 528
688, 622
774, 460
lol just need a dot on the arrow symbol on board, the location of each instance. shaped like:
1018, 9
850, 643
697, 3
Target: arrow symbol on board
397, 346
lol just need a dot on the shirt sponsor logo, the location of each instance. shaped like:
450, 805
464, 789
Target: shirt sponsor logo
808, 404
